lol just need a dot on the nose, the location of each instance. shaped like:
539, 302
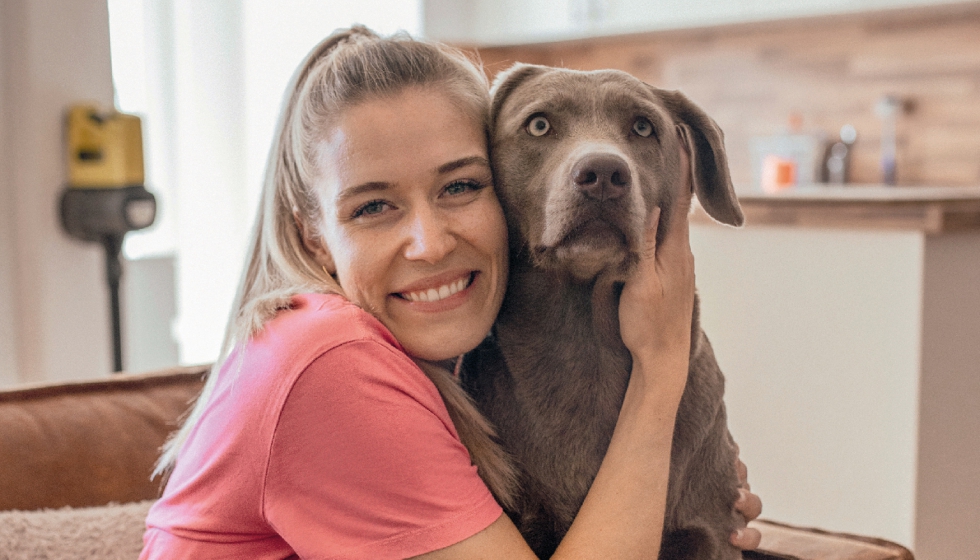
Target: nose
602, 176
430, 237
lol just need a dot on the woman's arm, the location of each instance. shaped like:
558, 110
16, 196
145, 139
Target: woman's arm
623, 513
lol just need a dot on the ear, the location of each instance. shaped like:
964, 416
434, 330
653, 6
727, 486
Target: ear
315, 247
709, 163
507, 81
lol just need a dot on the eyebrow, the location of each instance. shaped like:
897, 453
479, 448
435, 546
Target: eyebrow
377, 186
361, 189
463, 162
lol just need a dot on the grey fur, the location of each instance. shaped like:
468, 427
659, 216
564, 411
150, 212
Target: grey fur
553, 376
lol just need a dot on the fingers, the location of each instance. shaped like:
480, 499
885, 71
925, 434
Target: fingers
748, 504
686, 188
650, 248
746, 538
679, 227
743, 473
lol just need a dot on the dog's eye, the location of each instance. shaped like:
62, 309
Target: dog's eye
642, 127
538, 126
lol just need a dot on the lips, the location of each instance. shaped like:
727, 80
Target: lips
438, 292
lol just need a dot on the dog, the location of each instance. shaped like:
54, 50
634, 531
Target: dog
580, 160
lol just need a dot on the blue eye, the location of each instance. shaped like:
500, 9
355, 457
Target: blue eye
462, 187
373, 207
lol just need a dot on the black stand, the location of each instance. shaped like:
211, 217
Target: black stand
105, 215
113, 270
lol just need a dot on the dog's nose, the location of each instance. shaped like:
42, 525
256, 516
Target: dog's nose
602, 176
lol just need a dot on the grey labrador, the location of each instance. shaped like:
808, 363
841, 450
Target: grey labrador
580, 159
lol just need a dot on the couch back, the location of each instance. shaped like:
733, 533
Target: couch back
90, 443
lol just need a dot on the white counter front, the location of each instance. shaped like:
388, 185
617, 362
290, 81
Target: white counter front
848, 328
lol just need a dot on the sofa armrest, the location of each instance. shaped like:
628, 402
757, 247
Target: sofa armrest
89, 443
786, 542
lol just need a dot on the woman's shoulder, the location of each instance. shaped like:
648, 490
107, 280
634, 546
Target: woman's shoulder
322, 337
312, 327
316, 323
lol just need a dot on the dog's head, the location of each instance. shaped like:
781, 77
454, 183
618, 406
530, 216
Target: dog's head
581, 159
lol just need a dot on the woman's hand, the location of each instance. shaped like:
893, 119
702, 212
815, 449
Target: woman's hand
656, 306
749, 506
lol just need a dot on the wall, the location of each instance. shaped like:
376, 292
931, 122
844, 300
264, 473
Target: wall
53, 299
8, 327
831, 70
948, 481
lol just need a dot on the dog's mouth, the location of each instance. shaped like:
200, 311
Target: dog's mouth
588, 248
596, 233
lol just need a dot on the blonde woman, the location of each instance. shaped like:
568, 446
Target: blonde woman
332, 429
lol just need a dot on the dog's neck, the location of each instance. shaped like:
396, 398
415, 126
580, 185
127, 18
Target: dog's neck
555, 307
567, 368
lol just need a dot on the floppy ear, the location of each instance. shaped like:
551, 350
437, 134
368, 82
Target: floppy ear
506, 82
709, 163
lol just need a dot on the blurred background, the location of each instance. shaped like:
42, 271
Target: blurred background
808, 92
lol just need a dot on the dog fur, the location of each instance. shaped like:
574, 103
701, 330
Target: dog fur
552, 376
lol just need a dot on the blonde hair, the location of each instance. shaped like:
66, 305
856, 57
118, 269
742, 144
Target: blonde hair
348, 67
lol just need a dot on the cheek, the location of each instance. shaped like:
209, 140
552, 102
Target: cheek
359, 268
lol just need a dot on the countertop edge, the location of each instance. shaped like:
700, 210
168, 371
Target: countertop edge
932, 210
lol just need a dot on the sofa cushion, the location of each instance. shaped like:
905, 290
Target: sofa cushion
89, 443
111, 532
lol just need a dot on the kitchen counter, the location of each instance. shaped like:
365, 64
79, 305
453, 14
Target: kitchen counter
931, 210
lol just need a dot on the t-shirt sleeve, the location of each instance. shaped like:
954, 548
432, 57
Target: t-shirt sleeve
365, 463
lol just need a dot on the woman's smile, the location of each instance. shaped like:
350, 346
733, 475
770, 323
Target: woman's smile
412, 228
438, 292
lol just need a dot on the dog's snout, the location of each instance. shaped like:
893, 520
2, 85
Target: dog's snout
602, 176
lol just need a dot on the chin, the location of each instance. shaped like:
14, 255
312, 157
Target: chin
444, 347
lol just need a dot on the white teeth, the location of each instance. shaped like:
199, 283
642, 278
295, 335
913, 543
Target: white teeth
436, 294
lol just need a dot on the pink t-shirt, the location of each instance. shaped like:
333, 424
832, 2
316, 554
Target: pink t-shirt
328, 442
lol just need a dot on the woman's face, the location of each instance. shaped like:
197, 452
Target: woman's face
412, 228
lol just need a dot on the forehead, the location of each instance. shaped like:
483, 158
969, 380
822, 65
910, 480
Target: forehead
583, 93
410, 111
397, 138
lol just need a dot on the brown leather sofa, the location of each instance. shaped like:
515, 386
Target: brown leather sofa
94, 443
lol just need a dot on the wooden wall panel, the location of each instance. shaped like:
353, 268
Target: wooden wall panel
830, 70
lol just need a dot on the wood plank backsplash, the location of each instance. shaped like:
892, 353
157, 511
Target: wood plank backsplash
829, 70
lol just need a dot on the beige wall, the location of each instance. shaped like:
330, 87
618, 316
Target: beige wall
831, 70
53, 304
8, 346
948, 474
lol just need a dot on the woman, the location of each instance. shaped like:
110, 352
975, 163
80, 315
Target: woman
380, 251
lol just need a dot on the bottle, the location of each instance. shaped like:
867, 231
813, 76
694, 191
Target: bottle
887, 110
837, 161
